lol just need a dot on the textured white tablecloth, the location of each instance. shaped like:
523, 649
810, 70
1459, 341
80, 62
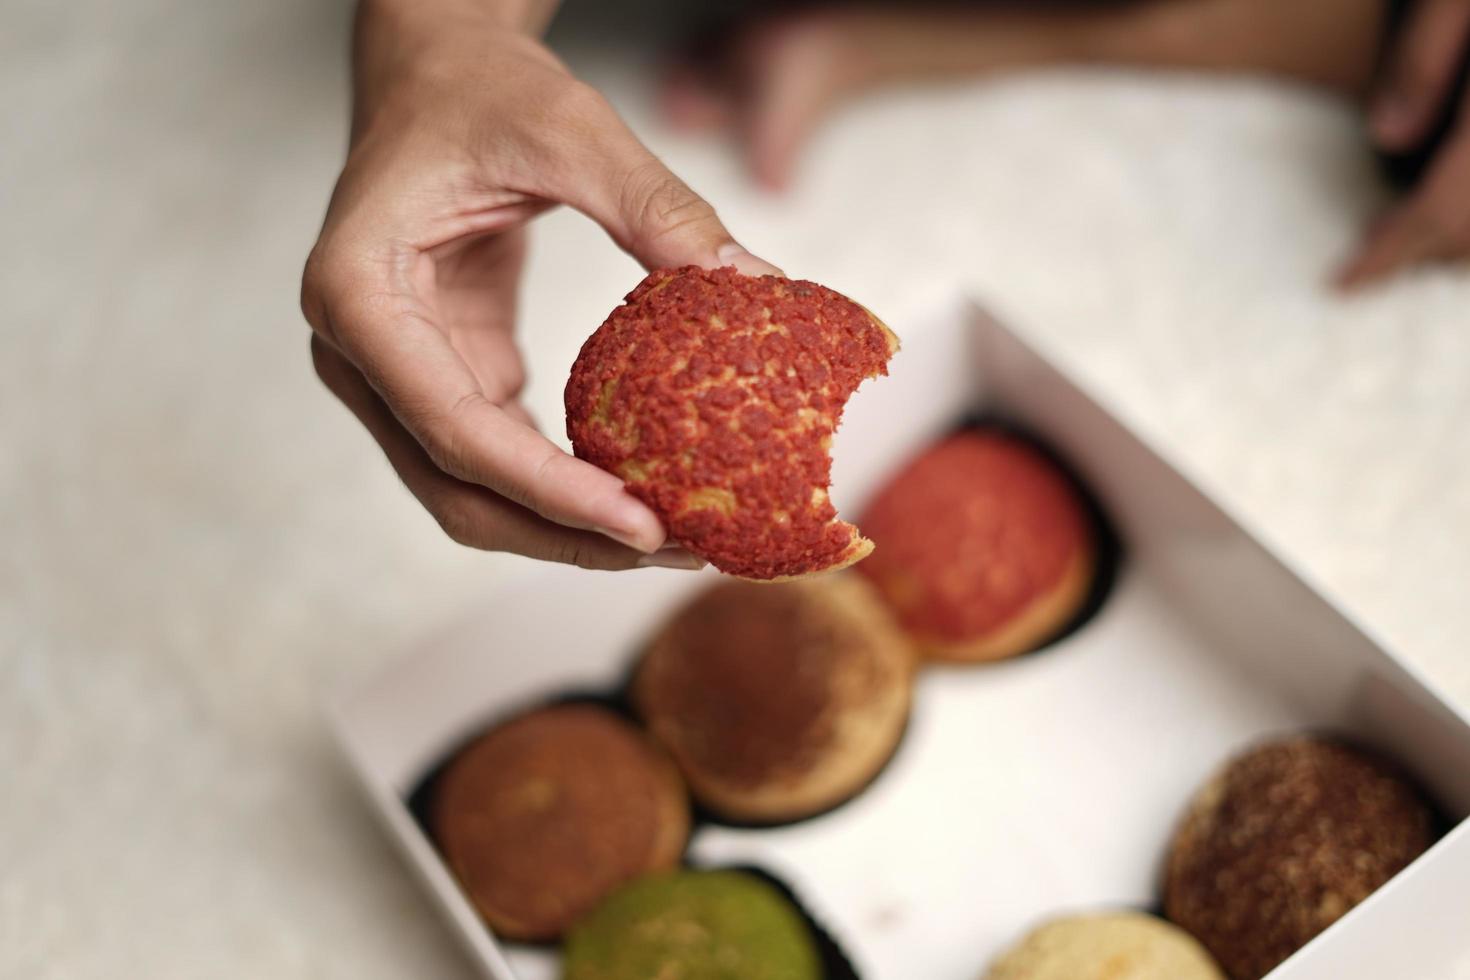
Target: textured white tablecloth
198, 543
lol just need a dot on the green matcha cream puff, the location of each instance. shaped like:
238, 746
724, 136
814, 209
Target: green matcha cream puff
693, 925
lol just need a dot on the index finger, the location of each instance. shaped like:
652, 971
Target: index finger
1433, 222
394, 341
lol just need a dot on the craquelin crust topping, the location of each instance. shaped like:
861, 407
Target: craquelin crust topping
714, 395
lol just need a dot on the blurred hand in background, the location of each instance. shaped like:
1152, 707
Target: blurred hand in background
774, 79
464, 128
1423, 73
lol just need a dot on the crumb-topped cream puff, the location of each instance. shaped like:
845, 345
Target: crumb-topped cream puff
984, 547
1283, 841
714, 396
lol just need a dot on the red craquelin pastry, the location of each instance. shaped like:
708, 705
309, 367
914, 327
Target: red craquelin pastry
714, 396
984, 547
545, 815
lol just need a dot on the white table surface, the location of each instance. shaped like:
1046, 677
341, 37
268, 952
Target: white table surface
198, 543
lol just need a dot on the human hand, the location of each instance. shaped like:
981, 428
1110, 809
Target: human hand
463, 129
772, 79
1433, 222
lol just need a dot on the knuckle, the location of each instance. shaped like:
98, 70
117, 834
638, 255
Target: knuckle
577, 107
575, 551
444, 446
660, 204
543, 474
312, 306
321, 278
457, 520
445, 437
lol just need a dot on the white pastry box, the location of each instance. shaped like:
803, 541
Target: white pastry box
1038, 786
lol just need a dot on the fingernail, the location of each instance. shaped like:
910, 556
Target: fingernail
621, 537
631, 523
733, 253
674, 557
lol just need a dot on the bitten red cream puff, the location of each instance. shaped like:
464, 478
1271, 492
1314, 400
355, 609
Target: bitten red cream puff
777, 702
542, 817
984, 547
1285, 840
714, 396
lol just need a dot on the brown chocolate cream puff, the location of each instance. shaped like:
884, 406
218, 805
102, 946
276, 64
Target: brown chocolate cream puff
1285, 840
545, 815
777, 702
984, 548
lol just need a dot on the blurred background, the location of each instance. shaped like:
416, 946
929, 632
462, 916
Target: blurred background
200, 543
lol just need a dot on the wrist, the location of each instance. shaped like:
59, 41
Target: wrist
402, 48
523, 16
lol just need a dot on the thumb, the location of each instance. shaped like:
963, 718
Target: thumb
652, 214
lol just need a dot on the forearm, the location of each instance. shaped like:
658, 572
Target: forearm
1326, 42
1330, 42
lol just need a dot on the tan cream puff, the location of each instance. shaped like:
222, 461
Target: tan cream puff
777, 701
